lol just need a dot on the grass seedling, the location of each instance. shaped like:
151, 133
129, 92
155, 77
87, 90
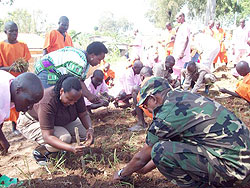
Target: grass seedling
27, 174
57, 164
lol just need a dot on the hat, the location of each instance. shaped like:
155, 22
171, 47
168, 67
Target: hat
152, 86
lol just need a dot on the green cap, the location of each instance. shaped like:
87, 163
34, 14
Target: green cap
152, 86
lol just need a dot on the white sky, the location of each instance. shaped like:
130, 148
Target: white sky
84, 14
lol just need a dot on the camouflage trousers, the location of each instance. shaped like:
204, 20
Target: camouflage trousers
187, 166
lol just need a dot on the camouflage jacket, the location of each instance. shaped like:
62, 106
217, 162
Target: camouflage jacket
196, 120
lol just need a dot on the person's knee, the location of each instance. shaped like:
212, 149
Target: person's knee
66, 138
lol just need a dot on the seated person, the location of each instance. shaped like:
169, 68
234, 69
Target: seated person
128, 81
97, 86
243, 87
109, 75
146, 72
165, 70
52, 121
198, 74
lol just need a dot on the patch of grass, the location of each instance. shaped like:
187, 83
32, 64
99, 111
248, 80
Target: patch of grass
57, 164
27, 174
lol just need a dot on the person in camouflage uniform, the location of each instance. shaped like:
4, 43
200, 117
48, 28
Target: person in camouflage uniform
192, 140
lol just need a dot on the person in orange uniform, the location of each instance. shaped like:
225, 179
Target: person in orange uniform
10, 51
57, 39
170, 46
109, 75
220, 35
243, 87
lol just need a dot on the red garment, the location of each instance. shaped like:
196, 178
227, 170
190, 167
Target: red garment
54, 40
243, 88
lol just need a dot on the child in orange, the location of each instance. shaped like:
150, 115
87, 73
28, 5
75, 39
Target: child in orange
109, 75
243, 87
10, 51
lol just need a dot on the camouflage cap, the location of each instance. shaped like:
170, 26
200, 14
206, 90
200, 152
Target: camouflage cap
152, 86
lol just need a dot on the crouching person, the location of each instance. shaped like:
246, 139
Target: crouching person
193, 141
52, 121
97, 86
196, 75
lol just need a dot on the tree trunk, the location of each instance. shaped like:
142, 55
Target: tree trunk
210, 10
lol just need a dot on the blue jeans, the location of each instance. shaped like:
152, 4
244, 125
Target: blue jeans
43, 76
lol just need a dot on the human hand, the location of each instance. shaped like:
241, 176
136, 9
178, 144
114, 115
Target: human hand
94, 99
116, 178
4, 146
104, 103
89, 137
78, 150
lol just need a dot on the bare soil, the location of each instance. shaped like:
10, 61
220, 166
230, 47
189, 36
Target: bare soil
114, 146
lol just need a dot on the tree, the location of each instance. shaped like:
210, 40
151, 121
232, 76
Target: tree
165, 10
108, 23
23, 20
7, 2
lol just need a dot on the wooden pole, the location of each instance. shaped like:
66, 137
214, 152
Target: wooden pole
79, 143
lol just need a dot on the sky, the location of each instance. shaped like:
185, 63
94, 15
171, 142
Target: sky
84, 15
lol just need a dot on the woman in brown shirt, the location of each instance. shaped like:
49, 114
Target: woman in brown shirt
52, 121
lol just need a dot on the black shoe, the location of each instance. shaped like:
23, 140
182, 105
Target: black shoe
41, 155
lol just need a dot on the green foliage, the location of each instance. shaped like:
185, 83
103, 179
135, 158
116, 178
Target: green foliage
27, 23
7, 2
23, 20
109, 24
165, 10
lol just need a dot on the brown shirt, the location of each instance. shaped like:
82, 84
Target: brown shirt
51, 112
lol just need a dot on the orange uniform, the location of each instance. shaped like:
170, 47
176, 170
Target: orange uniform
9, 53
54, 40
220, 35
243, 88
108, 75
170, 48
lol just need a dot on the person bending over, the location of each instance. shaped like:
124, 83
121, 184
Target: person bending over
52, 121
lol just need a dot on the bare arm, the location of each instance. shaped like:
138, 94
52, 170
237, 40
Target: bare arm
5, 68
4, 144
223, 90
86, 121
51, 139
199, 81
139, 160
147, 168
86, 93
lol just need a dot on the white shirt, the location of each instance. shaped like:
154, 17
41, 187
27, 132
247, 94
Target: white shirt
5, 97
182, 36
240, 38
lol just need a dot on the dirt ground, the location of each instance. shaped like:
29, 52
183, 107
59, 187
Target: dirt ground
114, 146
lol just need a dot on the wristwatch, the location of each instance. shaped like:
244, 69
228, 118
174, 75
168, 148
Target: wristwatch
120, 174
